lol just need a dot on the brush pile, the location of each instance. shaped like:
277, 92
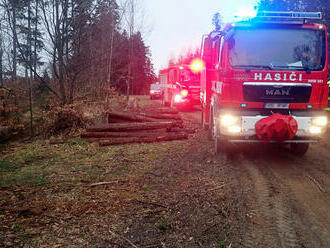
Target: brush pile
142, 127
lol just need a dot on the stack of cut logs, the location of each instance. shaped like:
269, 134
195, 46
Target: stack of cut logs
145, 127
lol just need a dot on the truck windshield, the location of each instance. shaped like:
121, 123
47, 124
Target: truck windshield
277, 49
188, 77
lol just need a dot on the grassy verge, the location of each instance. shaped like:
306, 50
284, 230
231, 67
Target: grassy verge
42, 183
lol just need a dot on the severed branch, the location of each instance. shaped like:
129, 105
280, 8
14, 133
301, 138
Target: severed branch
123, 238
102, 183
317, 184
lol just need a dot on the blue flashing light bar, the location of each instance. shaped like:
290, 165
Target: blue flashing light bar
289, 15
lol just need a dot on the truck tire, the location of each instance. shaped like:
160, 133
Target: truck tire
203, 123
221, 145
164, 103
202, 118
299, 149
219, 142
172, 104
210, 131
168, 104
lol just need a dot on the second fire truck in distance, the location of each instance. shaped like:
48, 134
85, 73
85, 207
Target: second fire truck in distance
181, 86
275, 66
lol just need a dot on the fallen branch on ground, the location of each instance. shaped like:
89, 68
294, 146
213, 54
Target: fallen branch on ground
123, 238
102, 183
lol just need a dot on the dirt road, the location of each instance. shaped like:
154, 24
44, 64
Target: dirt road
287, 197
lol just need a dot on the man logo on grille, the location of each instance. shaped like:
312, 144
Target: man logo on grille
277, 92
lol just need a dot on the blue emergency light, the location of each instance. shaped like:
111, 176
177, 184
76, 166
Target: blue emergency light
290, 15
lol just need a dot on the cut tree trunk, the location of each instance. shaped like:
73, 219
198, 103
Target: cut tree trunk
88, 135
156, 138
162, 116
128, 117
164, 111
178, 129
134, 126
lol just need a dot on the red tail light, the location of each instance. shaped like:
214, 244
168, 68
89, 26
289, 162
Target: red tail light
184, 93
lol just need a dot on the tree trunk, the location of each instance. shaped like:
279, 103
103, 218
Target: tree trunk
162, 116
29, 63
110, 59
123, 127
59, 50
150, 133
14, 73
1, 56
128, 117
35, 40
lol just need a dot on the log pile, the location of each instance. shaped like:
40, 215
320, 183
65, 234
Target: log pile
152, 126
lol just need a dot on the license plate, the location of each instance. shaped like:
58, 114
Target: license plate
277, 105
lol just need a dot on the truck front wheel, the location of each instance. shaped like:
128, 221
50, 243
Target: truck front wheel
299, 149
211, 129
214, 134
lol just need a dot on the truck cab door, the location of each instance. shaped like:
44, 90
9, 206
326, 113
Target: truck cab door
209, 53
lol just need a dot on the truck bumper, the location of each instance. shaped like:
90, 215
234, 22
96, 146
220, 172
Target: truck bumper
303, 135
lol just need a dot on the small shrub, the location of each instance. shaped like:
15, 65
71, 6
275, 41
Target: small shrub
63, 120
7, 166
28, 156
10, 113
163, 226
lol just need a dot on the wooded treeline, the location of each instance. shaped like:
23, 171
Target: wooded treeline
73, 48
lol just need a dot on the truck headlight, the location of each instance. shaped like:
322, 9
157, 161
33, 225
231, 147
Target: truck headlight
318, 124
228, 120
178, 98
315, 130
320, 121
231, 123
234, 129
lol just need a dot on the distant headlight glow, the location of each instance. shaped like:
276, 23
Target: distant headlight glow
177, 98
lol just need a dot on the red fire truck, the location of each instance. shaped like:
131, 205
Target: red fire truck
265, 80
181, 86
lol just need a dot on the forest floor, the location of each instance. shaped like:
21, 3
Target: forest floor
167, 194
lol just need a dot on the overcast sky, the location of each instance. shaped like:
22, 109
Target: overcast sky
177, 25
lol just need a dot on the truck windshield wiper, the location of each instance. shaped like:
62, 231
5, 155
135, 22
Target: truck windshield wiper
251, 67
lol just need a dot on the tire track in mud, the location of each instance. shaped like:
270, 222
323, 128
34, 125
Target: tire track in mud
305, 209
276, 227
312, 197
240, 191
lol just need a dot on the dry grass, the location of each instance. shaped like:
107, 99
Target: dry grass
77, 194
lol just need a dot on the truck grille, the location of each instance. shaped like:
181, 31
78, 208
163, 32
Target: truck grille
277, 92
